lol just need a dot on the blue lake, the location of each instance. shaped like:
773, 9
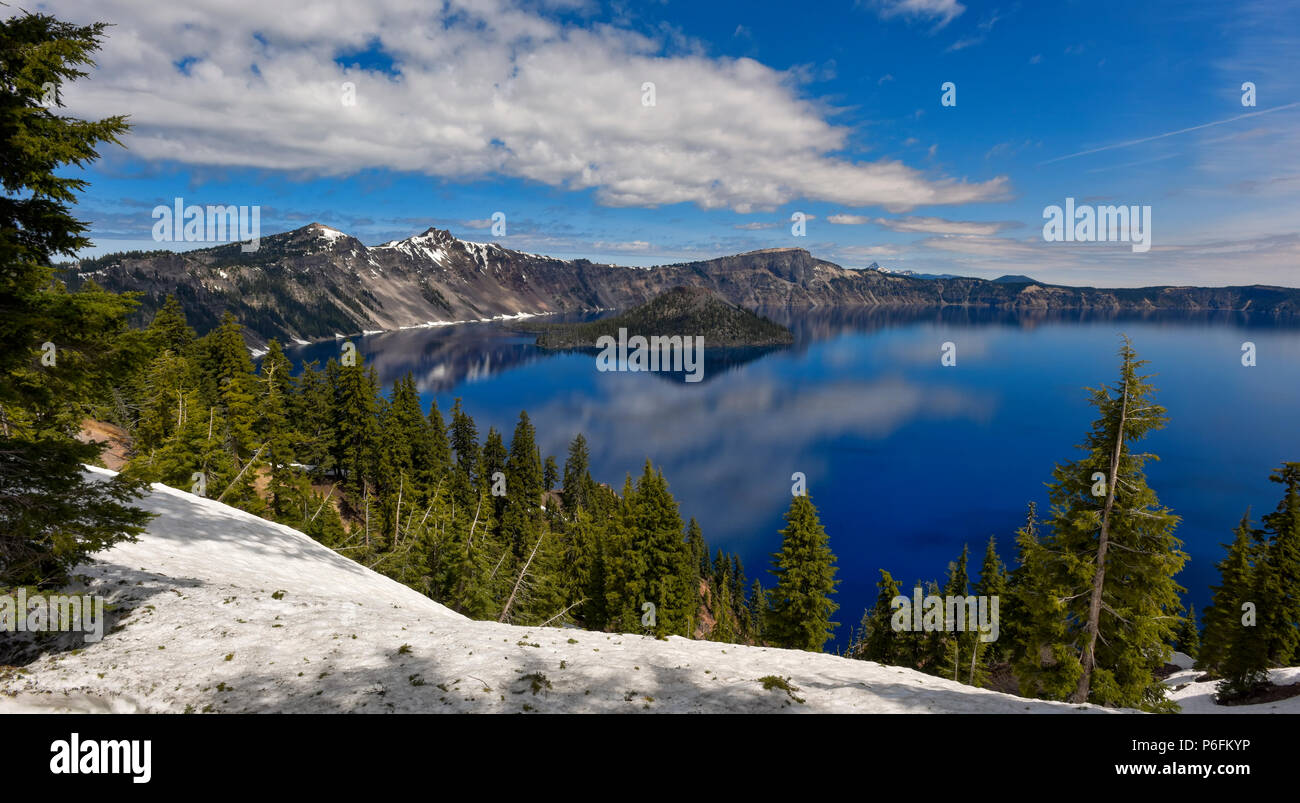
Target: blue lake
906, 459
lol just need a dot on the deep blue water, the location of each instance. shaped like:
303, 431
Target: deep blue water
906, 459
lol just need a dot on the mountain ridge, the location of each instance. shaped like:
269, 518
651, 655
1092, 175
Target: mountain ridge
317, 282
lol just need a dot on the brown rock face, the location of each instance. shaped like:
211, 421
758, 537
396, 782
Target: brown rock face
315, 282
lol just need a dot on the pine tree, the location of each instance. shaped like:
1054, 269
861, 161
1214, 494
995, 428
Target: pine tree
493, 459
312, 408
1223, 616
878, 640
1280, 600
275, 389
169, 331
439, 446
229, 371
408, 438
577, 480
1188, 640
667, 563
550, 474
51, 515
587, 572
1044, 663
992, 585
1118, 550
1245, 656
757, 612
699, 550
464, 441
355, 424
624, 565
805, 572
959, 625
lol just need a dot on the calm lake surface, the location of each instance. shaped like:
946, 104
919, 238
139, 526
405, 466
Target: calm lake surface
906, 459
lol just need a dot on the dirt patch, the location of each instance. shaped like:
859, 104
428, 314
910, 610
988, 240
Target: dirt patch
116, 442
1268, 693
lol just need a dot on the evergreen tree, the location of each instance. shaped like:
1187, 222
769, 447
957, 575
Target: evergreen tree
587, 569
698, 549
992, 585
1117, 550
464, 441
577, 480
757, 612
275, 390
877, 639
550, 474
666, 560
439, 446
1223, 616
312, 408
229, 371
1188, 640
355, 422
959, 624
1044, 662
51, 515
1279, 597
493, 459
624, 566
805, 572
169, 331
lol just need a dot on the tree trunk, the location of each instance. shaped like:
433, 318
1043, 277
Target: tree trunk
1099, 577
522, 572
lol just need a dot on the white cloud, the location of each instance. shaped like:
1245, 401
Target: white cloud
927, 225
942, 11
482, 88
632, 245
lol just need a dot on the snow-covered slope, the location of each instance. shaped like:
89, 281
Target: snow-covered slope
218, 610
1198, 698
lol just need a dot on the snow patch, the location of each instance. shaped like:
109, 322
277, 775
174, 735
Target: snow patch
222, 611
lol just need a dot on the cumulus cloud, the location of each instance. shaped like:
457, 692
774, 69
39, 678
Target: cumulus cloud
475, 88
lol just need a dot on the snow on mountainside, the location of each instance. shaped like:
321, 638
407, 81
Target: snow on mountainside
218, 610
312, 282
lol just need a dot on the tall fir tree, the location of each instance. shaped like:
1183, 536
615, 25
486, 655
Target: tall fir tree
1280, 595
1188, 640
52, 516
805, 570
877, 639
1117, 550
992, 585
1036, 625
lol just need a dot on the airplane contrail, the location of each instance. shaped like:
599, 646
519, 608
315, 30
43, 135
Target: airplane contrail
1170, 133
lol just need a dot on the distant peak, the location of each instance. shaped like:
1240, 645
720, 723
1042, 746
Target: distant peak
320, 230
435, 233
774, 251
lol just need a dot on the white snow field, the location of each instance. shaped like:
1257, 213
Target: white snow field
220, 611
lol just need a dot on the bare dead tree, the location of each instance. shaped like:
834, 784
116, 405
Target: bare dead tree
519, 582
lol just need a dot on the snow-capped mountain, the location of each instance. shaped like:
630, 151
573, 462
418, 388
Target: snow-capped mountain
316, 281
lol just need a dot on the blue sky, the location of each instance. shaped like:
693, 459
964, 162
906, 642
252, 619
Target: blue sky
761, 110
